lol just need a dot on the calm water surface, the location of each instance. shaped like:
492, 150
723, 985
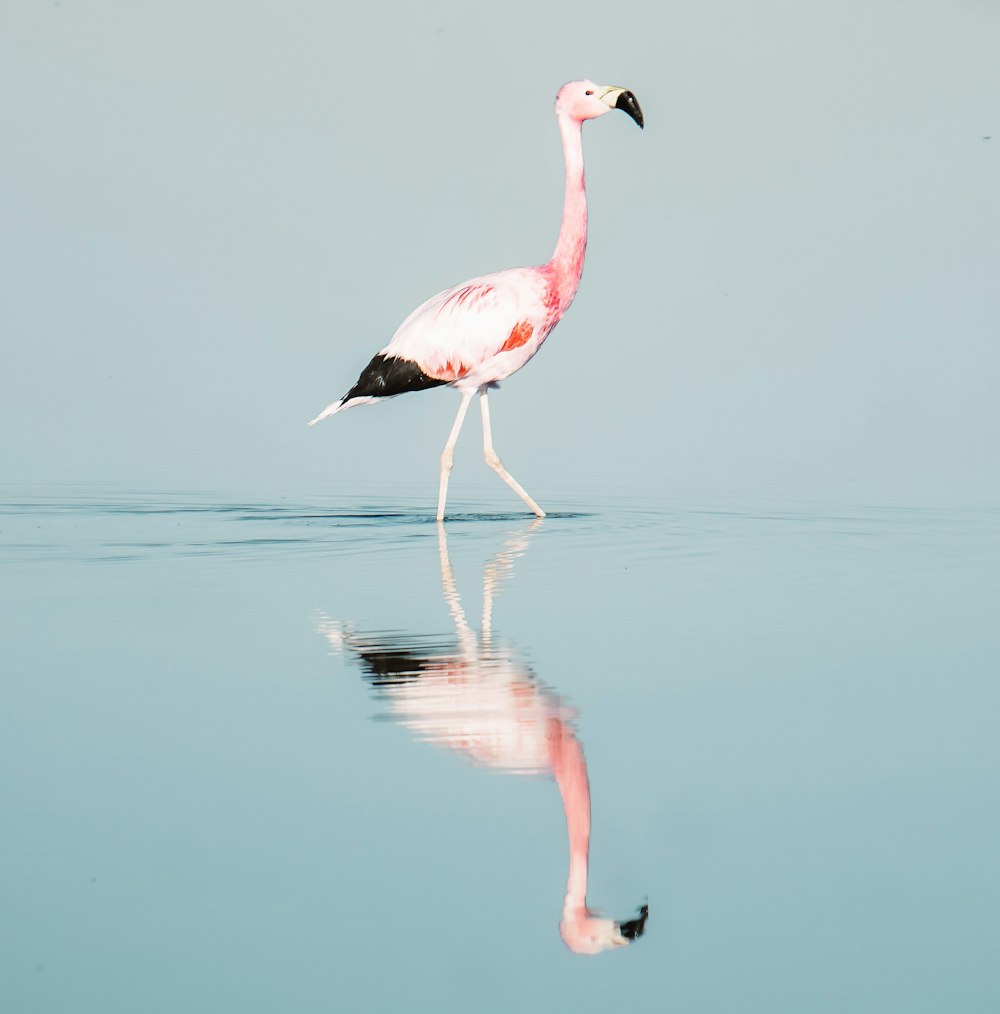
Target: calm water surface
328, 756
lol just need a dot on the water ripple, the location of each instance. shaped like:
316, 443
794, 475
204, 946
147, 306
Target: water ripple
650, 532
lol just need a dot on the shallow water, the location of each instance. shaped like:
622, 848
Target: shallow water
325, 756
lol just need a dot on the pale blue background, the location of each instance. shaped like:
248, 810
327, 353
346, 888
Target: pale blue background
767, 431
214, 214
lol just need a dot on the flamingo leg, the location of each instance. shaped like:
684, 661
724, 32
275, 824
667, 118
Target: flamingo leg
500, 567
448, 454
493, 460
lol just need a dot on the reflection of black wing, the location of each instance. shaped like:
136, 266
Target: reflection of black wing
387, 667
389, 659
392, 659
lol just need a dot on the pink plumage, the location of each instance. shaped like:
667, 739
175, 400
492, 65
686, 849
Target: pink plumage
482, 331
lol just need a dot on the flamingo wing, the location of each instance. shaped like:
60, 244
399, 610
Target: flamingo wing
457, 331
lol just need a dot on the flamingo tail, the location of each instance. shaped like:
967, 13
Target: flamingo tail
338, 406
384, 377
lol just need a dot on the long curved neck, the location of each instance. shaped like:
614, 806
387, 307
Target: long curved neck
566, 264
570, 770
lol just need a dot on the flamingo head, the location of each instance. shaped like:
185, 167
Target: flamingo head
585, 933
584, 100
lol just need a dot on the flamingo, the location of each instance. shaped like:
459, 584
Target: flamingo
480, 701
478, 333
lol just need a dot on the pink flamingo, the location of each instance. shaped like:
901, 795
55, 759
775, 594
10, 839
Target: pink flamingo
485, 704
482, 331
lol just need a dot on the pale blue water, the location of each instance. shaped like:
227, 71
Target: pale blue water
788, 713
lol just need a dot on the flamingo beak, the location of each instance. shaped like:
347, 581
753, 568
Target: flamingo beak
623, 99
633, 929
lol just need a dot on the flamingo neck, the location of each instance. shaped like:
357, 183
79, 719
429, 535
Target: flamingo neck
566, 264
570, 770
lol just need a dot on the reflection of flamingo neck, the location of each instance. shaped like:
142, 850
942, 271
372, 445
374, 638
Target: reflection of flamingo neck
570, 770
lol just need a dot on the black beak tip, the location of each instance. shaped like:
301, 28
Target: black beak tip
627, 104
633, 929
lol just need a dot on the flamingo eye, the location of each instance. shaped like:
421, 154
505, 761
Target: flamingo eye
589, 92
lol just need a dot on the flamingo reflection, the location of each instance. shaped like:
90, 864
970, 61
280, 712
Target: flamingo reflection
482, 702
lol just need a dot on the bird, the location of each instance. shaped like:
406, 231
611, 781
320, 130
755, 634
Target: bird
479, 699
476, 334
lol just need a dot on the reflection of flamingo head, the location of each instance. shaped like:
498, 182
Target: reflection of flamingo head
589, 934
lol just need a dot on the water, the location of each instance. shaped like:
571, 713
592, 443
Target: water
321, 756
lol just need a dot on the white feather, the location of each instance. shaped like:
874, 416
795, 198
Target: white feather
467, 325
338, 406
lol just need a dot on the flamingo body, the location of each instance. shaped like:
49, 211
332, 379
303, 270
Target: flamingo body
482, 331
478, 333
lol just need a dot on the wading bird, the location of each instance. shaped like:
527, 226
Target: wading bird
481, 701
482, 331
